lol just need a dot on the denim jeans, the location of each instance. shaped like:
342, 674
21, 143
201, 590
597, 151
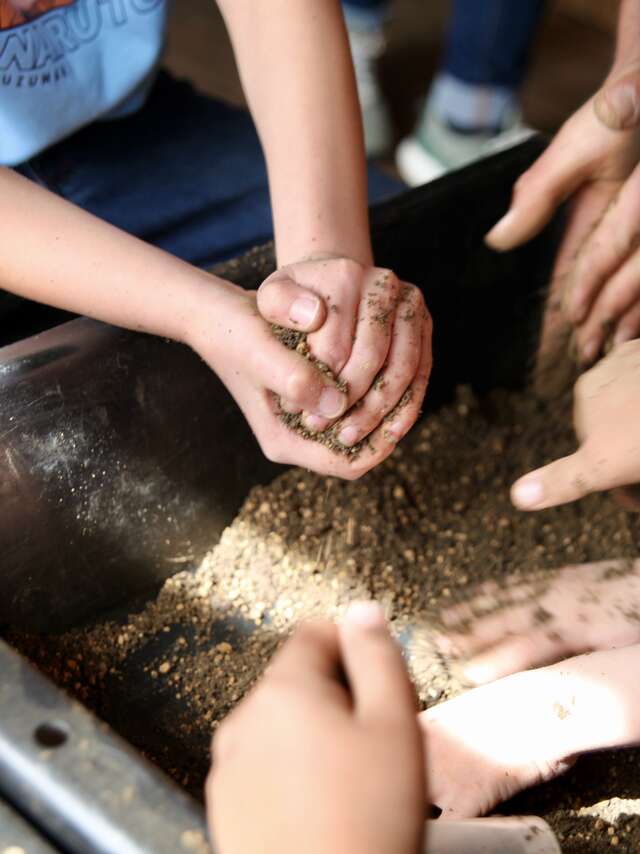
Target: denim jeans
488, 41
185, 173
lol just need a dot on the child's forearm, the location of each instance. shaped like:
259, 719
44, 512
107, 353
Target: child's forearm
296, 69
55, 253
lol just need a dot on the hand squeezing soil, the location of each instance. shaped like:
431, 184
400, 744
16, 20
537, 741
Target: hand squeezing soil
376, 313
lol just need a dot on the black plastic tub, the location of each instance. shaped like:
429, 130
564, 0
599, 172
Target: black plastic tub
122, 457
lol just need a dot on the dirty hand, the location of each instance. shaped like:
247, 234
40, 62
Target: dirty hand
596, 280
260, 372
490, 743
306, 763
520, 624
607, 422
372, 330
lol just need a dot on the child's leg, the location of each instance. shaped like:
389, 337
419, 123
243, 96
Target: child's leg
486, 745
365, 25
473, 105
488, 46
523, 624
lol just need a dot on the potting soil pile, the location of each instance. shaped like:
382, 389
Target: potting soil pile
418, 534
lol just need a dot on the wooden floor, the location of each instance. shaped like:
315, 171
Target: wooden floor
570, 59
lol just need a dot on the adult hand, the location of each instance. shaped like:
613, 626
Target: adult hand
260, 372
325, 753
371, 329
595, 284
607, 422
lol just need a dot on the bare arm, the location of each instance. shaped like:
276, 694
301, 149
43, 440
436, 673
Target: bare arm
53, 252
296, 70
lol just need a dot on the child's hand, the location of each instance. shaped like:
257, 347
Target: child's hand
307, 764
258, 370
372, 330
607, 422
488, 744
518, 624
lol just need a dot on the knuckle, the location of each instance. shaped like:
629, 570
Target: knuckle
371, 363
387, 275
270, 288
384, 284
299, 386
333, 351
272, 450
346, 270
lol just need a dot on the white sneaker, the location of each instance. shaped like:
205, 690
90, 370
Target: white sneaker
435, 148
367, 46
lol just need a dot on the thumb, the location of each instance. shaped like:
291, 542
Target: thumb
562, 481
295, 379
617, 104
283, 301
374, 666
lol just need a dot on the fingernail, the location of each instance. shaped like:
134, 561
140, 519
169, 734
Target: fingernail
315, 423
304, 310
349, 435
501, 228
618, 107
590, 351
331, 403
368, 615
527, 493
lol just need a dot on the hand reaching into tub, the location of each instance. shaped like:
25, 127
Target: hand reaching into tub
493, 741
371, 329
522, 623
325, 753
607, 423
596, 282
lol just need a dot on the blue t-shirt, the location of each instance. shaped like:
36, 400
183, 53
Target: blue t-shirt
65, 63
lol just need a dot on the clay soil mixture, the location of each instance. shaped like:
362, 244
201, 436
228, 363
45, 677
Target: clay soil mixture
418, 534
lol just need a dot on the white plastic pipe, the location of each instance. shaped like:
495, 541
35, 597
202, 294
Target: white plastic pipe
503, 834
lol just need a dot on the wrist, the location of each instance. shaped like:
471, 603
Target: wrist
293, 251
208, 300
